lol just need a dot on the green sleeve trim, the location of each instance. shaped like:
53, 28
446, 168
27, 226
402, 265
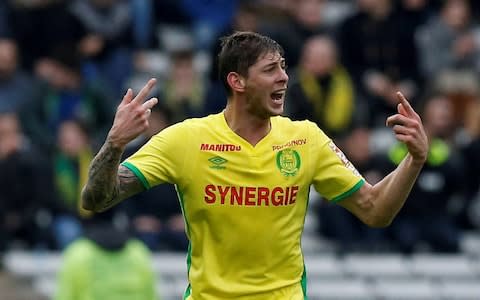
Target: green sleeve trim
188, 291
137, 173
355, 188
304, 283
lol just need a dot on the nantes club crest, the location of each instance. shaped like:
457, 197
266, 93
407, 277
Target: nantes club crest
288, 162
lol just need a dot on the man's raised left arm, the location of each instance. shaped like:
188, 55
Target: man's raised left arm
377, 205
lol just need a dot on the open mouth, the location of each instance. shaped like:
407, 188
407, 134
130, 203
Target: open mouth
277, 96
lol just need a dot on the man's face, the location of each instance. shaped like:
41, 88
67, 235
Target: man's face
319, 56
71, 139
266, 85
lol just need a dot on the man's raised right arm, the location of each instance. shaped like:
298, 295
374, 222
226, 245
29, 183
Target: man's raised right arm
108, 182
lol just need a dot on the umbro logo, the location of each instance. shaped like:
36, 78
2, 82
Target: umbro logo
218, 162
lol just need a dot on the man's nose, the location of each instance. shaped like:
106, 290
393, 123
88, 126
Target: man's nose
283, 77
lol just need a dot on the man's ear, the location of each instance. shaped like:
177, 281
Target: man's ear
236, 82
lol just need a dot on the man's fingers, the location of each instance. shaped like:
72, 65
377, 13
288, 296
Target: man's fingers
150, 103
147, 88
407, 108
128, 97
401, 109
403, 130
398, 119
405, 138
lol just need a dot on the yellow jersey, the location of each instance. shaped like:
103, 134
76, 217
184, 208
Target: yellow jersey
244, 206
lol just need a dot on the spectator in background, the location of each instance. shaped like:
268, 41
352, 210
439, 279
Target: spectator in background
427, 217
305, 21
447, 42
183, 90
449, 48
208, 18
39, 27
65, 95
152, 20
106, 264
15, 85
70, 168
143, 23
108, 43
469, 217
246, 18
155, 215
379, 51
170, 12
24, 186
322, 90
5, 30
150, 15
415, 12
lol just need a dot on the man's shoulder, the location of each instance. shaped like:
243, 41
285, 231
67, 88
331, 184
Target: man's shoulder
285, 121
300, 128
200, 122
189, 130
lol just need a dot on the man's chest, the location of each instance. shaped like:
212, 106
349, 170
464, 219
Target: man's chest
270, 162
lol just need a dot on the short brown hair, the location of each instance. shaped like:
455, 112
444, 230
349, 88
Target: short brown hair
240, 50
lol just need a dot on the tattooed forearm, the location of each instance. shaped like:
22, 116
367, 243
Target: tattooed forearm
102, 188
128, 184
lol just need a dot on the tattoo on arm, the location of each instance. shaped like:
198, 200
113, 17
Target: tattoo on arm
108, 183
128, 185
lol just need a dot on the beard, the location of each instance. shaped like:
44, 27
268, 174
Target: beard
257, 106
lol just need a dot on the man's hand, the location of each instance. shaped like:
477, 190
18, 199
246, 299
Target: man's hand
408, 128
131, 118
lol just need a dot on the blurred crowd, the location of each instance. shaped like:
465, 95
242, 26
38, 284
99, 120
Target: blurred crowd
64, 66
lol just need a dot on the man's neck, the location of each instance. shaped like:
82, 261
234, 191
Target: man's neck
248, 126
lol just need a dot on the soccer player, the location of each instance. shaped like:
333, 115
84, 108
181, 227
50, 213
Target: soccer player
243, 176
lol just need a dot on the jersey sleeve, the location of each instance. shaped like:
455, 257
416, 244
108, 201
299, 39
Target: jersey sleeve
335, 177
162, 158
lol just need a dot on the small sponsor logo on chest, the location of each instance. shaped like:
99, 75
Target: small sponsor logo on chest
220, 147
292, 143
217, 162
